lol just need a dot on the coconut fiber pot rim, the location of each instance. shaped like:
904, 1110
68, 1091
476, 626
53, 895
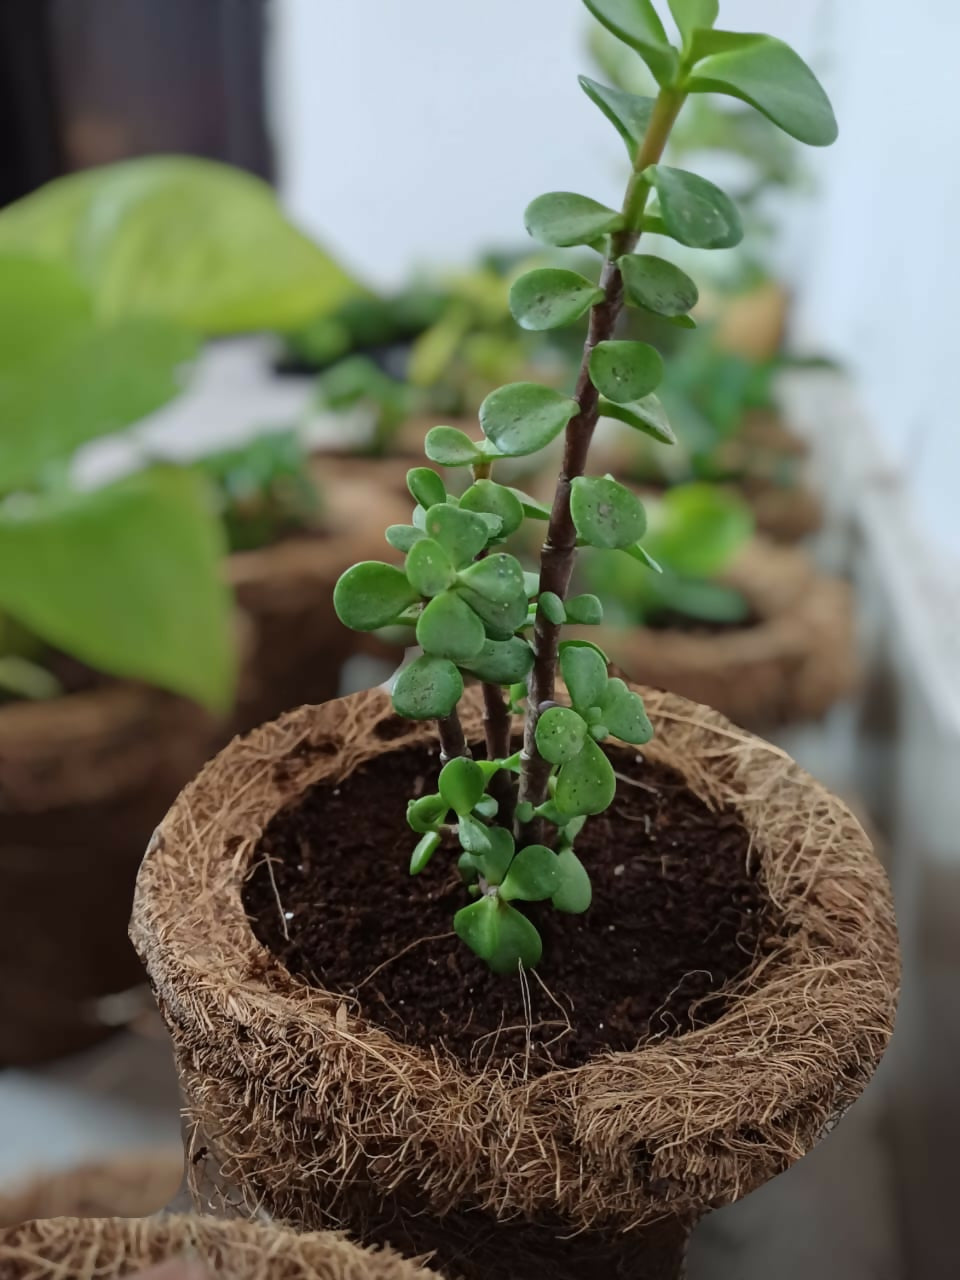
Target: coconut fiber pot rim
110, 1248
671, 1128
790, 665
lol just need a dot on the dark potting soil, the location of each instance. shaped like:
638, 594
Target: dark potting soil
677, 914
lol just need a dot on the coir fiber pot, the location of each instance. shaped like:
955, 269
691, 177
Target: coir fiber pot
789, 664
110, 1248
130, 1184
298, 644
409, 1096
83, 781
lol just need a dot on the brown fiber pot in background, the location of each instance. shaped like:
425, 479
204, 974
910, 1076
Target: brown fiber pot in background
83, 781
791, 665
129, 1184
110, 1248
301, 1107
298, 644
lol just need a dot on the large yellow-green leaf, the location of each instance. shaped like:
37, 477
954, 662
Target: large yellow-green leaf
176, 236
128, 579
66, 378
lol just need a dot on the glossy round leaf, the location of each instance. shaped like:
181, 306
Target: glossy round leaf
534, 875
426, 813
499, 935
403, 536
647, 415
625, 371
461, 784
523, 417
586, 611
560, 734
429, 570
606, 514
428, 689
637, 24
574, 893
489, 498
552, 608
495, 862
586, 784
451, 447
427, 846
657, 285
629, 113
533, 509
462, 534
448, 628
563, 219
767, 74
624, 715
502, 661
498, 578
584, 671
371, 595
486, 807
426, 486
550, 298
694, 211
500, 620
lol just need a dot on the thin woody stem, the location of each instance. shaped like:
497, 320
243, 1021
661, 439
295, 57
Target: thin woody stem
452, 741
559, 549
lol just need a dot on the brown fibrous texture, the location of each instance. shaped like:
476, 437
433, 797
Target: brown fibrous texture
128, 1185
109, 1248
300, 1106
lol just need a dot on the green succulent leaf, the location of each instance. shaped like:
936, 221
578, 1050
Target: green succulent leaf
523, 417
642, 556
498, 578
770, 76
550, 298
560, 734
563, 219
462, 534
699, 528
371, 595
647, 415
657, 285
585, 611
427, 846
428, 689
637, 24
461, 785
624, 715
502, 661
426, 486
574, 893
584, 671
403, 536
553, 608
486, 807
473, 835
486, 497
449, 628
496, 860
451, 447
426, 813
694, 15
606, 514
500, 935
532, 507
127, 579
628, 112
694, 211
586, 784
534, 875
429, 570
500, 620
625, 371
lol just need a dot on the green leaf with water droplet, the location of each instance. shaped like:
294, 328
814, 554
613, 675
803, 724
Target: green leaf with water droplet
564, 219
560, 734
462, 534
429, 570
502, 661
694, 211
625, 371
624, 714
486, 497
606, 514
449, 628
657, 285
498, 578
428, 689
584, 671
523, 417
647, 415
586, 784
426, 486
550, 298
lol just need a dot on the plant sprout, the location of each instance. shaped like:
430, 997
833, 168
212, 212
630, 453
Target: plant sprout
516, 815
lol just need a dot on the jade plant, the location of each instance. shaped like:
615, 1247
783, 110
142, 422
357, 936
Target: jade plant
515, 815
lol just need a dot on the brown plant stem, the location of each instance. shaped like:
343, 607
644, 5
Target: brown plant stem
559, 549
497, 725
452, 741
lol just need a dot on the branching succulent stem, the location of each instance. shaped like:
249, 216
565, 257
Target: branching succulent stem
452, 740
559, 549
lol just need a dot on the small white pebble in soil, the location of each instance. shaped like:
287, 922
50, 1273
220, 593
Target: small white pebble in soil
336, 791
288, 915
611, 928
618, 871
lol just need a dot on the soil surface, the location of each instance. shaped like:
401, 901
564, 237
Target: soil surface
678, 913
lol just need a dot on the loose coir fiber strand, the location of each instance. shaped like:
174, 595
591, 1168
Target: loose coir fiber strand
109, 1248
301, 1108
792, 664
